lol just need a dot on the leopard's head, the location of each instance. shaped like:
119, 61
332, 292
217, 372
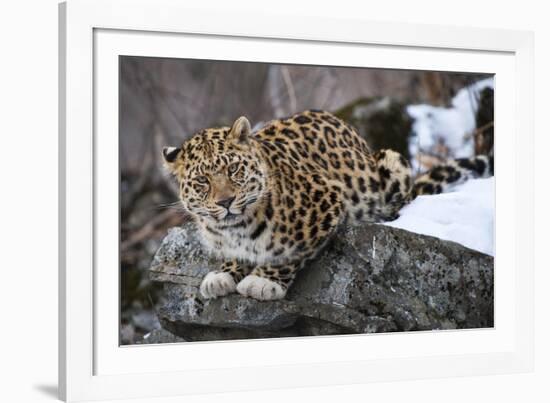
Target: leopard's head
221, 174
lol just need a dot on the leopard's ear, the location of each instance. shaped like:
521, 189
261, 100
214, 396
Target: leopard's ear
240, 131
170, 156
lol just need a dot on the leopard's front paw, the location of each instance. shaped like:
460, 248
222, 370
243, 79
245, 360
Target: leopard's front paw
217, 284
260, 288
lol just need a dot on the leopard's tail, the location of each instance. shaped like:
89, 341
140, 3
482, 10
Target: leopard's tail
454, 172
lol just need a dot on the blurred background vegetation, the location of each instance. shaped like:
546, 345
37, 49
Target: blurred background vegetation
165, 101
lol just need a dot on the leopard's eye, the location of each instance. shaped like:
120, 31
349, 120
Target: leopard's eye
233, 168
202, 179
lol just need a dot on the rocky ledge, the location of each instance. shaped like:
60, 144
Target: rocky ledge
369, 279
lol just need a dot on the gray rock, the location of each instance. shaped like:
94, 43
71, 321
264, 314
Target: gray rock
369, 279
382, 121
159, 336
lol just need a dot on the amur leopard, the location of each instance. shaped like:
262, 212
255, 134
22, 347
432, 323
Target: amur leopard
267, 201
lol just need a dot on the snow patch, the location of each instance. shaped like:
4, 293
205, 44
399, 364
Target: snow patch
465, 215
435, 126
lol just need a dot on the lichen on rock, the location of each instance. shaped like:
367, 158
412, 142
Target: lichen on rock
369, 279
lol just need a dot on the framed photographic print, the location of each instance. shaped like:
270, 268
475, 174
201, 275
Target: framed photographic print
310, 206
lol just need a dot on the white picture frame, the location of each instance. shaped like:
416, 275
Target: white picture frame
93, 366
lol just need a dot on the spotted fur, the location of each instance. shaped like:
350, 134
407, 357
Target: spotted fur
268, 201
443, 177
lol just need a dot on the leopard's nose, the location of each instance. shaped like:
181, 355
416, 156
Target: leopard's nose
226, 202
